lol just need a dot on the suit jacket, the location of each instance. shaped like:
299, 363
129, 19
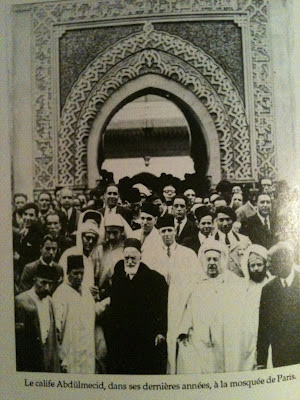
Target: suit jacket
258, 233
240, 241
31, 354
28, 274
138, 315
68, 226
189, 229
279, 323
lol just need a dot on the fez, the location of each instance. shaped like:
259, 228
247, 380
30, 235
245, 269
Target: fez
132, 242
74, 262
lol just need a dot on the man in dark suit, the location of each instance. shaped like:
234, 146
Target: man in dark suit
183, 226
138, 322
36, 341
204, 221
53, 227
260, 227
279, 312
68, 214
27, 241
111, 198
48, 251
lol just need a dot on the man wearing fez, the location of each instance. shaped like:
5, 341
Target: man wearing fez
138, 316
236, 243
75, 318
149, 235
180, 267
48, 252
204, 220
36, 341
279, 311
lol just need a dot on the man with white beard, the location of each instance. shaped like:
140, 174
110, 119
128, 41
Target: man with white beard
205, 343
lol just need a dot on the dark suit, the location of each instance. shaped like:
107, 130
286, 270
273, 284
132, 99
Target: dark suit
28, 275
69, 225
31, 354
138, 315
258, 233
279, 323
189, 229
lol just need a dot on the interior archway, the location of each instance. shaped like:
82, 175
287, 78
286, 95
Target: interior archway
205, 143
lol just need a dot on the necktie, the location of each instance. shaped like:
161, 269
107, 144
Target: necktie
227, 241
285, 285
168, 251
178, 229
266, 223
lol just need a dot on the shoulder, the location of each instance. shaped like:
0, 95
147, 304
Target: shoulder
243, 238
31, 266
24, 299
150, 274
58, 267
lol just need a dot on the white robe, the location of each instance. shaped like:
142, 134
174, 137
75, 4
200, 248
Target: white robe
207, 320
75, 320
181, 272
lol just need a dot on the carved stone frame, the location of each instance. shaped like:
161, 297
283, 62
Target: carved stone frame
50, 21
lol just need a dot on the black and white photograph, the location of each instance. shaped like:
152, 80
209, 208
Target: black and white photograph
154, 187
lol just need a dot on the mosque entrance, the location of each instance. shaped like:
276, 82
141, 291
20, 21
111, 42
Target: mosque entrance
152, 134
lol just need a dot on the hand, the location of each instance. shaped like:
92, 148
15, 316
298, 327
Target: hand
159, 339
95, 292
183, 338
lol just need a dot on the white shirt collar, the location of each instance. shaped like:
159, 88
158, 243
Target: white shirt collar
289, 279
263, 219
202, 237
43, 262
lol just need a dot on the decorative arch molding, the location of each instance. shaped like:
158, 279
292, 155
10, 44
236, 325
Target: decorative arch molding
169, 56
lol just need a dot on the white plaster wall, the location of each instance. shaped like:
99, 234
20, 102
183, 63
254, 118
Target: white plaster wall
284, 76
22, 143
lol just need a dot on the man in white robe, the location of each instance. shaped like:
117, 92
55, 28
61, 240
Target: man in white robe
179, 265
75, 319
205, 344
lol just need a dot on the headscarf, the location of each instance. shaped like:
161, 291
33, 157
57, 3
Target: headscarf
114, 220
253, 248
89, 226
216, 245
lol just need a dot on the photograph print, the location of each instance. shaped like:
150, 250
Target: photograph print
154, 184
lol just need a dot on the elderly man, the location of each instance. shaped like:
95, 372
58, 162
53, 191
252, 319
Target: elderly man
138, 315
75, 317
36, 342
204, 220
48, 252
204, 337
236, 243
279, 311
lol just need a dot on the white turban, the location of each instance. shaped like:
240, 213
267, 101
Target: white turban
216, 245
256, 249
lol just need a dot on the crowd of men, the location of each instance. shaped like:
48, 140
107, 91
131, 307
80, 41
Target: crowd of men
155, 283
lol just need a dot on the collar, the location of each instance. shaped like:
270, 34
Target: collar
36, 298
232, 238
289, 279
43, 262
202, 237
67, 212
263, 219
172, 247
182, 222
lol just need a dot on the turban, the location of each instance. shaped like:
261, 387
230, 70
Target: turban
256, 249
114, 220
142, 189
215, 245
